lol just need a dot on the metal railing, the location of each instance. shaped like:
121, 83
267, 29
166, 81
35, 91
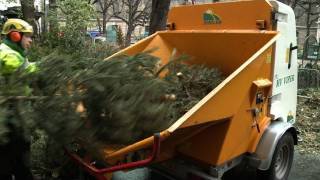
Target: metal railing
308, 78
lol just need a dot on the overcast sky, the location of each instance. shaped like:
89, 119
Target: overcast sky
4, 4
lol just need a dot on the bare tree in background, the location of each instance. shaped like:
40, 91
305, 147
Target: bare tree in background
311, 10
132, 12
28, 11
104, 8
308, 9
159, 15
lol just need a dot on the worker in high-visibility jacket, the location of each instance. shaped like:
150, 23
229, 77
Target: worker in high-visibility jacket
14, 154
12, 51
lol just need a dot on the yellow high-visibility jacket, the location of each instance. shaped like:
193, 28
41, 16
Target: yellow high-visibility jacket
12, 60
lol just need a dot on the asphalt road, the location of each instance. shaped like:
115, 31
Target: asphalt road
305, 167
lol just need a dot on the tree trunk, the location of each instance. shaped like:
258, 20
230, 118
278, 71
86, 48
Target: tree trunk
44, 18
99, 24
159, 15
129, 34
104, 22
53, 20
28, 12
308, 25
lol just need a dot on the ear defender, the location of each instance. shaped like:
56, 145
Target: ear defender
15, 36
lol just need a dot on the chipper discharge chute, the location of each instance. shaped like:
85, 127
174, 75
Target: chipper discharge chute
254, 51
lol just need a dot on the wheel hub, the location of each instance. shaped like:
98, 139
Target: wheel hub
282, 162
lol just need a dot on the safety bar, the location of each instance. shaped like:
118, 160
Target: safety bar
99, 173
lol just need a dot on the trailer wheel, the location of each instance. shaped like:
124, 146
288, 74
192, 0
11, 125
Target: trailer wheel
281, 161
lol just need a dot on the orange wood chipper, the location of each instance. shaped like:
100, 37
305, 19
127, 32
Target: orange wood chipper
248, 118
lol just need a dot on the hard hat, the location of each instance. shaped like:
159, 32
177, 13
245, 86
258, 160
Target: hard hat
16, 25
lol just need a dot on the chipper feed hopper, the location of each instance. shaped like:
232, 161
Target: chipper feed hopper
249, 116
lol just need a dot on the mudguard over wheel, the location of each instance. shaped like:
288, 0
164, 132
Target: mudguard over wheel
281, 161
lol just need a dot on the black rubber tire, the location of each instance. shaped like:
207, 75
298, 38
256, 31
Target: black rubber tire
281, 161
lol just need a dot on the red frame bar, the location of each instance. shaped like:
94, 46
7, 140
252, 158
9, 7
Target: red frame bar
99, 173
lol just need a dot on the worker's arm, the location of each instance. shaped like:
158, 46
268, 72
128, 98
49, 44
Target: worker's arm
32, 67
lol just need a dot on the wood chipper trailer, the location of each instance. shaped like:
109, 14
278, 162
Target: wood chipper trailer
247, 118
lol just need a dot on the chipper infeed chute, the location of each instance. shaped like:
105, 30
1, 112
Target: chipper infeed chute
244, 57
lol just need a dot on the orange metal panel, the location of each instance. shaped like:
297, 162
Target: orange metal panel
233, 15
218, 144
226, 50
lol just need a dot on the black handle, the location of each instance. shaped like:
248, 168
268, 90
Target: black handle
292, 48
